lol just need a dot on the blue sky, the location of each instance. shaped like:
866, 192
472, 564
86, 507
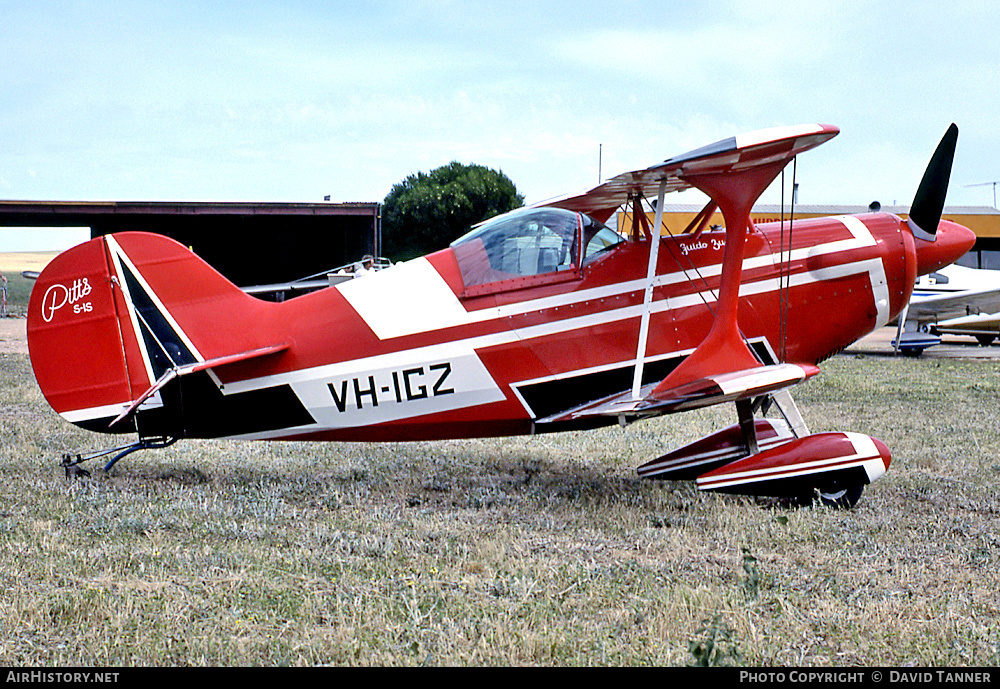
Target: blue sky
292, 101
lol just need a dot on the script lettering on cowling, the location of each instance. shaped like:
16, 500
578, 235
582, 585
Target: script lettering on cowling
712, 243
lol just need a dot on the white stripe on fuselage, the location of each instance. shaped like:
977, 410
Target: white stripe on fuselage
412, 297
312, 385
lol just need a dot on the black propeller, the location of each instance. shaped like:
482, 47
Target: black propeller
928, 203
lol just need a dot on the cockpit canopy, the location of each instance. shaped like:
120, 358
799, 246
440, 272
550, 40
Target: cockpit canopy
530, 243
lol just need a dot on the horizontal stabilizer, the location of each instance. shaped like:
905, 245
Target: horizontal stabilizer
795, 468
722, 447
188, 369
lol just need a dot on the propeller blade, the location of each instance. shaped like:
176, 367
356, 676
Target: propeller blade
928, 203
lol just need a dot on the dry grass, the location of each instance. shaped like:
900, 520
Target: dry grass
531, 551
16, 261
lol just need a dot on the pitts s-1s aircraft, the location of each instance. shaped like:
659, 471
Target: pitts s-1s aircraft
541, 319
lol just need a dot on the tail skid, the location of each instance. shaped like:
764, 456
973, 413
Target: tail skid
71, 462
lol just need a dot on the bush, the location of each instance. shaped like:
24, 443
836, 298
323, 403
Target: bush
427, 211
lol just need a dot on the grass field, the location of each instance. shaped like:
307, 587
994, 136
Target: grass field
530, 551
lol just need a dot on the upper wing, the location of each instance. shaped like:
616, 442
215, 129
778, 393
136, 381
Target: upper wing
733, 154
733, 172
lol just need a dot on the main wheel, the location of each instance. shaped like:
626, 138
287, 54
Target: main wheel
841, 497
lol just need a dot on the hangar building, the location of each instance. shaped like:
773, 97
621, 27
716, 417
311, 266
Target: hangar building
250, 243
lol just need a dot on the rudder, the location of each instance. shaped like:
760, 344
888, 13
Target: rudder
74, 339
105, 322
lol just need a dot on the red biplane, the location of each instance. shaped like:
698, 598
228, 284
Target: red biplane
542, 319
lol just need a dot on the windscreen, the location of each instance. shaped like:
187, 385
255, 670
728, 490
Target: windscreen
528, 242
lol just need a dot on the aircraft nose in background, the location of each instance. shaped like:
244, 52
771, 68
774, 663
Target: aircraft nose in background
951, 242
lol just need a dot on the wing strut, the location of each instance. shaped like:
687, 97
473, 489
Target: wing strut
647, 300
723, 349
785, 269
900, 325
733, 173
748, 427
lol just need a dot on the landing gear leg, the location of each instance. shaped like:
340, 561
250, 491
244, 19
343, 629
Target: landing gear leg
744, 409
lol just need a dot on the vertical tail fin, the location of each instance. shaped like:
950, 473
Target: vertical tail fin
74, 337
110, 317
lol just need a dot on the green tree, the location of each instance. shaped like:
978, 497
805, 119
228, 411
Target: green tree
427, 211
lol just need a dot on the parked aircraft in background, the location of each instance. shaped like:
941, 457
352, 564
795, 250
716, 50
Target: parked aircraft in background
954, 300
539, 320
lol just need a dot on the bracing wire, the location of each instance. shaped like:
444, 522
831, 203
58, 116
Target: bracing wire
691, 281
695, 270
781, 273
692, 268
785, 270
